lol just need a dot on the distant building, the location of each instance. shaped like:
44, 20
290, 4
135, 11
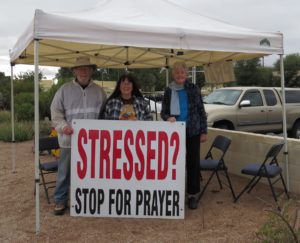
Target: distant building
108, 86
46, 84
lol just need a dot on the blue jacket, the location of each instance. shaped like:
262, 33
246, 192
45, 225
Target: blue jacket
196, 121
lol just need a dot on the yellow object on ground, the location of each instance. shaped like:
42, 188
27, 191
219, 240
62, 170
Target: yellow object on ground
54, 152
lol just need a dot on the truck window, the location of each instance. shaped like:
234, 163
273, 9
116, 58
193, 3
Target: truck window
270, 97
292, 96
223, 97
254, 96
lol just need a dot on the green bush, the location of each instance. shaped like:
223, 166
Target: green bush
45, 99
26, 97
4, 116
24, 106
23, 131
24, 112
44, 105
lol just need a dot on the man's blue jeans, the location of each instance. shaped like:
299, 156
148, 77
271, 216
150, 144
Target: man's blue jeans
61, 194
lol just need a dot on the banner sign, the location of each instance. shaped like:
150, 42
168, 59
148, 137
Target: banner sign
132, 169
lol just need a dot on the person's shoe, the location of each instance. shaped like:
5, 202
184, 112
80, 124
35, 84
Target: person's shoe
59, 208
193, 202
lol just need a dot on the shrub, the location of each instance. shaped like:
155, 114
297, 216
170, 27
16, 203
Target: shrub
4, 116
24, 112
281, 226
26, 97
44, 105
23, 131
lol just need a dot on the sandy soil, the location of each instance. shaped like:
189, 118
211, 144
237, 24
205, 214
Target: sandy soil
217, 219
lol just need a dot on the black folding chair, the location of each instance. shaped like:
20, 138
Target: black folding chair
49, 167
219, 146
269, 169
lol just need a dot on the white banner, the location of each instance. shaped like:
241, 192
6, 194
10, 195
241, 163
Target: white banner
133, 169
220, 72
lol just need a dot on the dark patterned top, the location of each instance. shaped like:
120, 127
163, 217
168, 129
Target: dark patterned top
196, 121
113, 107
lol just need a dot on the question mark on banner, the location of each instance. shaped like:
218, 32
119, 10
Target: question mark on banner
174, 138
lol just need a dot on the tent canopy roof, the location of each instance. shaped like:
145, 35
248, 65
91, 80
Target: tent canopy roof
139, 34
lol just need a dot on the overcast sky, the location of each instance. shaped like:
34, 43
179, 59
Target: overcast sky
266, 15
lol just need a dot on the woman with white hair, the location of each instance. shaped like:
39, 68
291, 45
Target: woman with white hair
183, 102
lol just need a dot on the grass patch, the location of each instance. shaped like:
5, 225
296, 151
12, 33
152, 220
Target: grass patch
23, 130
282, 226
4, 116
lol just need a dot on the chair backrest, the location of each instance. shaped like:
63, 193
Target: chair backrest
221, 143
48, 143
274, 151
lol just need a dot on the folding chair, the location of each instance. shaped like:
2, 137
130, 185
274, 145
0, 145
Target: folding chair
48, 144
269, 169
220, 144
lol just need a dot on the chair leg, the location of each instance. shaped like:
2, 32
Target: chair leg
230, 185
204, 188
254, 184
201, 178
273, 193
245, 189
219, 180
45, 188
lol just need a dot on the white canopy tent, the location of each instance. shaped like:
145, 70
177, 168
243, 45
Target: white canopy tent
136, 34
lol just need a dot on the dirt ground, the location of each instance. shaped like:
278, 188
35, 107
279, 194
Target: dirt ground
217, 219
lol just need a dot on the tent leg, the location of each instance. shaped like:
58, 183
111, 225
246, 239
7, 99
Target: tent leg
36, 135
286, 157
167, 77
194, 75
167, 72
12, 111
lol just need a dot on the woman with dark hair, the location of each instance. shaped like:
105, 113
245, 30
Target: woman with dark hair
126, 102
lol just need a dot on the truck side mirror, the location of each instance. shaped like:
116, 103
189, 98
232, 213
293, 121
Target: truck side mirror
245, 103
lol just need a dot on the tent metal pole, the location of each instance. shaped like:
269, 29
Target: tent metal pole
286, 157
12, 111
194, 75
36, 135
167, 72
167, 77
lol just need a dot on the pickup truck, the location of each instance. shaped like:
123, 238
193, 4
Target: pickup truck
253, 109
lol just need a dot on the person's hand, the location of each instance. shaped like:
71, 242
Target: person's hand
203, 138
68, 130
172, 119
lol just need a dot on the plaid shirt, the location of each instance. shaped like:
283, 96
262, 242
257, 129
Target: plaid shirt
196, 121
113, 108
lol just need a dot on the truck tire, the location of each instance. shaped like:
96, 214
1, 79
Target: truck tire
223, 125
295, 133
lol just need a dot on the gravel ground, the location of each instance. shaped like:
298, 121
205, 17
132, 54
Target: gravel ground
217, 219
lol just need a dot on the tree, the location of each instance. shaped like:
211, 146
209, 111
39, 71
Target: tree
64, 75
246, 72
291, 69
252, 73
4, 91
